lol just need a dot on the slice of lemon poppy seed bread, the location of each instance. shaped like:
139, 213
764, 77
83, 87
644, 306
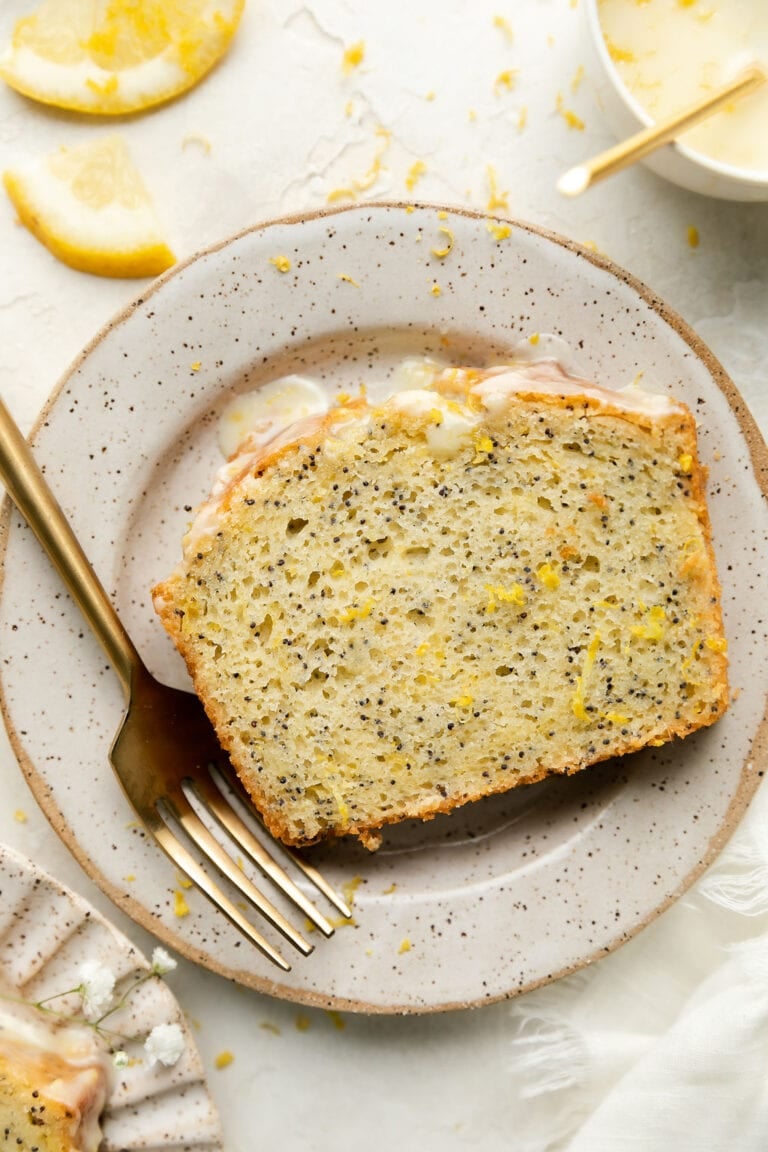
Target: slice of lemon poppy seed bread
391, 610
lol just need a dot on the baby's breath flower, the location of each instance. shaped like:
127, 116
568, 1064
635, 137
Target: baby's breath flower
120, 1059
97, 988
162, 962
164, 1044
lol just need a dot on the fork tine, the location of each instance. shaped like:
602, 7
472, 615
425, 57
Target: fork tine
194, 827
231, 778
209, 794
180, 856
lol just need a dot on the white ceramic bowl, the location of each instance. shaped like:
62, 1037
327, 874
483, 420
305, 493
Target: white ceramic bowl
675, 162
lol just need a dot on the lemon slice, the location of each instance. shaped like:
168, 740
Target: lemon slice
115, 56
89, 207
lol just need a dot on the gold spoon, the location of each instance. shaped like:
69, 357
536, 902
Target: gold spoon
578, 179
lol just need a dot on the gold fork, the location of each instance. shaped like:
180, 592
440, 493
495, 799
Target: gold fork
165, 752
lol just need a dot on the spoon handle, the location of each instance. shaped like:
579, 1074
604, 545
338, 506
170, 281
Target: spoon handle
629, 151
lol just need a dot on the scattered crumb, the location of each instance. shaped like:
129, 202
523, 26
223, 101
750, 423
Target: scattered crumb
303, 1023
504, 27
405, 946
197, 141
693, 236
196, 366
180, 906
506, 79
268, 1026
441, 253
20, 816
415, 173
390, 890
353, 57
223, 1060
337, 1019
496, 198
498, 230
436, 290
571, 119
282, 263
347, 279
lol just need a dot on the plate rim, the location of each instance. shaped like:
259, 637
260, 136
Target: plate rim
750, 774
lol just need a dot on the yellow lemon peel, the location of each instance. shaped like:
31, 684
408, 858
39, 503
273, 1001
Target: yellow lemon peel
117, 57
88, 205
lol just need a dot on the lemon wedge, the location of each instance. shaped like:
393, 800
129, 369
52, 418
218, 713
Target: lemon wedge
89, 207
109, 57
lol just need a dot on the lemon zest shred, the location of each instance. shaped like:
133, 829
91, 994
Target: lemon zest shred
347, 279
617, 54
548, 576
436, 290
415, 173
357, 612
225, 1058
282, 263
653, 627
180, 906
506, 79
571, 119
353, 57
496, 199
441, 253
498, 230
405, 946
504, 27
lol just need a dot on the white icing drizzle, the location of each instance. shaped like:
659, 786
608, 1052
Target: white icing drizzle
546, 377
293, 407
26, 1034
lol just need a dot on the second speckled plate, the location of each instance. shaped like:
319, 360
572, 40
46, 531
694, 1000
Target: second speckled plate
507, 893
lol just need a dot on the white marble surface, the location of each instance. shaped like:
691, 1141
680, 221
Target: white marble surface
286, 127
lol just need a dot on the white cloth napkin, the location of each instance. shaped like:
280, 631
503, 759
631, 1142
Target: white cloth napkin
688, 1070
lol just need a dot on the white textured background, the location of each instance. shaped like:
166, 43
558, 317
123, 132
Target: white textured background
285, 128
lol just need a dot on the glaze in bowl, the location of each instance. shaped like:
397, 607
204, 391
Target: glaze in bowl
676, 162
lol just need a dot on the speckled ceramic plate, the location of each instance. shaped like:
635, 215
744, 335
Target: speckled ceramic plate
507, 893
47, 933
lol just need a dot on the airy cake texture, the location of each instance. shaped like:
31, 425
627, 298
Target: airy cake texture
53, 1083
391, 610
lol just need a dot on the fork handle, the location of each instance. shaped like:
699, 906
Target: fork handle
30, 493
